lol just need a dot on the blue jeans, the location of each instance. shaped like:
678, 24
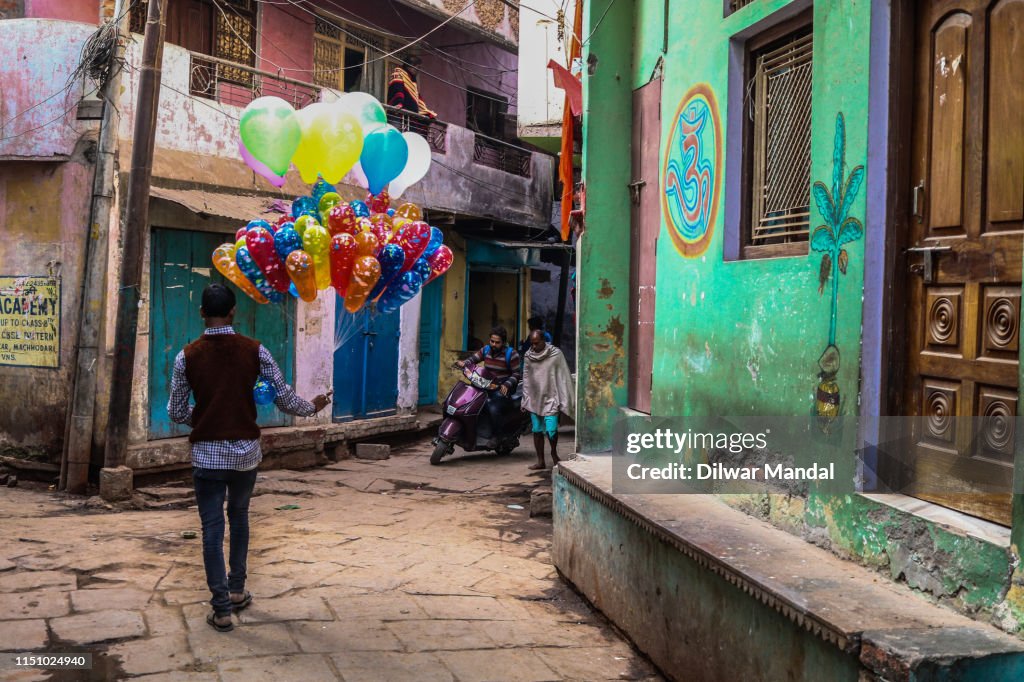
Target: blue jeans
212, 487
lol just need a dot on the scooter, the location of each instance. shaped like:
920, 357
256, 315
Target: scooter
467, 422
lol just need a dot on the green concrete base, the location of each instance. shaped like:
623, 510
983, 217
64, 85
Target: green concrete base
710, 594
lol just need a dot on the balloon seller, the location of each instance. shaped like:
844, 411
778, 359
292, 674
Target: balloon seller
220, 369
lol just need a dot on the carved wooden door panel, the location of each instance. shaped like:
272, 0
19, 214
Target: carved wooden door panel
965, 254
645, 224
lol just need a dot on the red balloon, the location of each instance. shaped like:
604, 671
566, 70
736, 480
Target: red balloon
380, 226
260, 243
343, 255
380, 203
440, 261
241, 233
342, 219
414, 239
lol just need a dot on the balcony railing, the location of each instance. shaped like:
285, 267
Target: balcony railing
435, 132
503, 156
238, 84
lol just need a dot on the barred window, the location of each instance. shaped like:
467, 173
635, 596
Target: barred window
348, 56
733, 5
778, 141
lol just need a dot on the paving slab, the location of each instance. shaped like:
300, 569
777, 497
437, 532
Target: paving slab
19, 581
464, 608
252, 640
23, 635
385, 607
111, 598
297, 607
304, 667
441, 635
98, 626
152, 655
502, 665
595, 664
357, 666
50, 603
345, 635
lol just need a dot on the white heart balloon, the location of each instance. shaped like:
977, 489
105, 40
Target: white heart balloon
415, 168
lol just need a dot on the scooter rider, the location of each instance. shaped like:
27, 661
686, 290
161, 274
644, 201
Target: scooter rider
502, 361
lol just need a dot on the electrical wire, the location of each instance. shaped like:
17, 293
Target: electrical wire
599, 21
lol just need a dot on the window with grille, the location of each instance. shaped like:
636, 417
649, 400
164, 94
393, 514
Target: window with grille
778, 139
349, 57
733, 5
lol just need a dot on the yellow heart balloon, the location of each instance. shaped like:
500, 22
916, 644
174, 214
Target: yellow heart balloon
332, 141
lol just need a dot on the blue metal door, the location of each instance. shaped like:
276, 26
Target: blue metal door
366, 366
430, 341
180, 270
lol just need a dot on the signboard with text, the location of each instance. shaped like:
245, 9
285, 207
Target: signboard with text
29, 321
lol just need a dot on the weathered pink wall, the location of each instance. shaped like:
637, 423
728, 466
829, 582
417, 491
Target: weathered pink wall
87, 11
285, 43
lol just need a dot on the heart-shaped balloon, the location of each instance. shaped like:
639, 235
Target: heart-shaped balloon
414, 239
415, 168
270, 131
440, 262
253, 273
258, 167
367, 110
391, 259
343, 255
384, 155
332, 140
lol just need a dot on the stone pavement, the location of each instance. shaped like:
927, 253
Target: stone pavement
387, 570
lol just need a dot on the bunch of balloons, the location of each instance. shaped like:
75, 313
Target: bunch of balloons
330, 140
366, 250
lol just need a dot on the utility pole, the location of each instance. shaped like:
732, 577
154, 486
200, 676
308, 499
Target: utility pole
74, 471
116, 478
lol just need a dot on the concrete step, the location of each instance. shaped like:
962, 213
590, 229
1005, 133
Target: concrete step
167, 493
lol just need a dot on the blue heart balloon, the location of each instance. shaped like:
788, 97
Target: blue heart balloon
305, 205
321, 188
391, 258
436, 239
385, 153
286, 240
264, 392
249, 268
360, 209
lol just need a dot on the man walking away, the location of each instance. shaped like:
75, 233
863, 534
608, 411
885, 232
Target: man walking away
547, 390
220, 369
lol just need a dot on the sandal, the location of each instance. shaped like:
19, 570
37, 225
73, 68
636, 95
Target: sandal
243, 602
211, 619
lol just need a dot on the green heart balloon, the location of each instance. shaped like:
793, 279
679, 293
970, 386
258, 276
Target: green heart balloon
270, 131
367, 110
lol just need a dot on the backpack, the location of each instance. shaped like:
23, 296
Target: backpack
486, 351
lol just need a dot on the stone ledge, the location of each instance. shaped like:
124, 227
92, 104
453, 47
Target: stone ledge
304, 442
886, 629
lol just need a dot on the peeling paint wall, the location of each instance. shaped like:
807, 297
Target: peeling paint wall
408, 355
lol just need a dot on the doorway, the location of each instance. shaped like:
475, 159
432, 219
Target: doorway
430, 341
366, 367
963, 274
494, 299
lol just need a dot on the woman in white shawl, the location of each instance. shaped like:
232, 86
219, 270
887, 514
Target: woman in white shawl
547, 390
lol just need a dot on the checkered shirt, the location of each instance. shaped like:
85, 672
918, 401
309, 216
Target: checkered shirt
241, 455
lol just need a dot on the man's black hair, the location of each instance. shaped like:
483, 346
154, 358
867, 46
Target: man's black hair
500, 332
218, 300
535, 323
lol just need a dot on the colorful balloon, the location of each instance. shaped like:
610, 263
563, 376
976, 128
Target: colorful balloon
317, 243
379, 203
384, 155
391, 212
343, 255
410, 212
365, 273
303, 222
302, 270
367, 110
358, 175
257, 223
287, 240
407, 286
414, 239
422, 266
264, 392
320, 188
305, 206
440, 262
260, 243
240, 242
332, 140
381, 227
342, 220
240, 234
391, 259
271, 132
436, 239
258, 167
415, 168
360, 209
253, 273
366, 244
224, 261
327, 202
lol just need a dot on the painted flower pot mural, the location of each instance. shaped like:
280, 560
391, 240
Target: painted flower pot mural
840, 228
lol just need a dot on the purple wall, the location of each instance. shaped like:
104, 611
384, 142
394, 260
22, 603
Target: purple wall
87, 11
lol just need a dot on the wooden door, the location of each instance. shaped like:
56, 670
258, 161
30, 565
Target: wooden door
645, 223
180, 270
189, 25
964, 277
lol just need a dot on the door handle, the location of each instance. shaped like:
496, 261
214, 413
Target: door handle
917, 210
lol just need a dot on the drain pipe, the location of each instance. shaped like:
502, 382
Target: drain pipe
78, 440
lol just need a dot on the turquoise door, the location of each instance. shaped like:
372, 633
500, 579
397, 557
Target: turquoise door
180, 270
430, 341
366, 366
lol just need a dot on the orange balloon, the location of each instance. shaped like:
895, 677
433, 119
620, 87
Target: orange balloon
224, 261
302, 272
365, 273
366, 244
410, 212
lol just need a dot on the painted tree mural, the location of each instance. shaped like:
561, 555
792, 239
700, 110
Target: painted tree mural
840, 228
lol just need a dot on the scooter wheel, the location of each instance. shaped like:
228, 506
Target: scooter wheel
440, 450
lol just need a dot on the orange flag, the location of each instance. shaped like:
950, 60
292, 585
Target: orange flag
565, 159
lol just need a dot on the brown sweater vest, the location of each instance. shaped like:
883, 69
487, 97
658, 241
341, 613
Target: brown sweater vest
222, 370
